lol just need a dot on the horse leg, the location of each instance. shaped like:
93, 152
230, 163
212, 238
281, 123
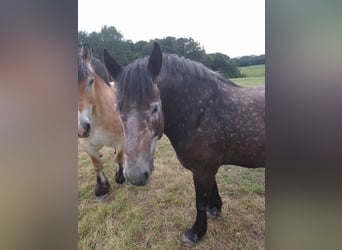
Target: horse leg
119, 177
102, 184
215, 203
203, 187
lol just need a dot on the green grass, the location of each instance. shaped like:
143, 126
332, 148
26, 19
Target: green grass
255, 76
254, 71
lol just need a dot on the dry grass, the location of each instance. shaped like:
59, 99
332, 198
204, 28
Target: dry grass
156, 215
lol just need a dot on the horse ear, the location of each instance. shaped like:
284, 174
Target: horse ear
155, 61
112, 66
86, 53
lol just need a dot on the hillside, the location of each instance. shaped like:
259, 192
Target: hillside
255, 75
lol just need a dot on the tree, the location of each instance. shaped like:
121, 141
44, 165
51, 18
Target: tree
222, 63
140, 49
110, 39
169, 45
110, 34
126, 51
193, 50
82, 36
249, 60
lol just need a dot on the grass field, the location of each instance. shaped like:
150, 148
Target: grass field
255, 76
155, 216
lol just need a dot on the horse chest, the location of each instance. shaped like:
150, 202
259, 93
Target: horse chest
101, 138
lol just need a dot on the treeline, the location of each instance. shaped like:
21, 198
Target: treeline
125, 51
244, 61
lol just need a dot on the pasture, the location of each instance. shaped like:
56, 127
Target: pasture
255, 75
156, 215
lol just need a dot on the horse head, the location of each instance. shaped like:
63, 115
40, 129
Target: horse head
140, 110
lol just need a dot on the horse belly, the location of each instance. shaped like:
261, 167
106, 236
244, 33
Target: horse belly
249, 152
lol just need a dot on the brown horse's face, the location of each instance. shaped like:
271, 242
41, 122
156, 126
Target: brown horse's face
86, 81
142, 127
85, 105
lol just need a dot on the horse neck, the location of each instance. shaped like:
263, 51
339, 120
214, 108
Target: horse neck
185, 101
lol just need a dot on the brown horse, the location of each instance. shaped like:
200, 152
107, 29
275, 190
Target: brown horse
98, 123
209, 120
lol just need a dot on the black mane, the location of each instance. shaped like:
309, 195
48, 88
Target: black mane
98, 67
135, 83
183, 70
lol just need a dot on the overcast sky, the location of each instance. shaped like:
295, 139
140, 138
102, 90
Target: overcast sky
232, 27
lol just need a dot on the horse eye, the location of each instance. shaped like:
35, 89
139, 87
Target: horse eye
90, 81
154, 109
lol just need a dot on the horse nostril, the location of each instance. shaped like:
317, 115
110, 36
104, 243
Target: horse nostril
146, 175
86, 127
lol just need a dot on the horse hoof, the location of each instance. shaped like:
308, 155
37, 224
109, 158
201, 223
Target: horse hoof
102, 198
120, 182
189, 239
101, 190
119, 179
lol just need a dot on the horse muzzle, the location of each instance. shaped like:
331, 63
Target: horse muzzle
138, 177
84, 130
